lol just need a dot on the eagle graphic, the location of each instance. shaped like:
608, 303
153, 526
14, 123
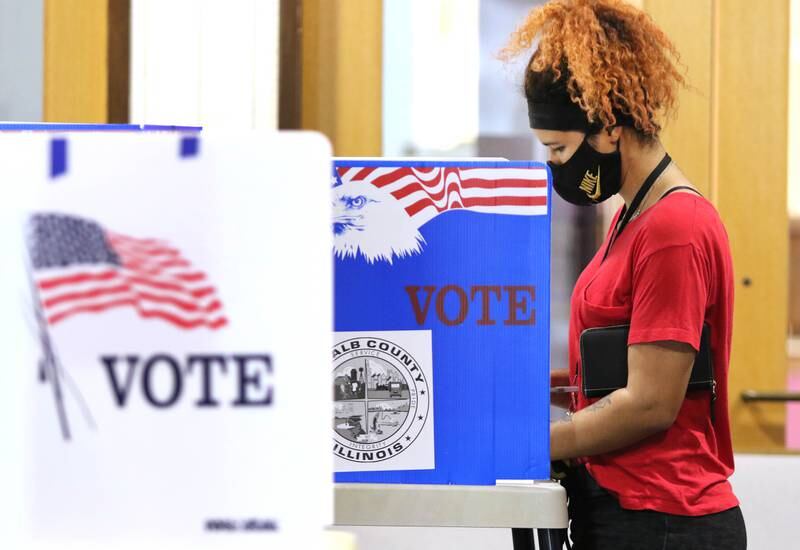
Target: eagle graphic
391, 233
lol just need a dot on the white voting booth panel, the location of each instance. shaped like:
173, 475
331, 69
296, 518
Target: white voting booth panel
171, 398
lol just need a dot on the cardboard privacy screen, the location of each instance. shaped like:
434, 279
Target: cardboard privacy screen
181, 296
442, 314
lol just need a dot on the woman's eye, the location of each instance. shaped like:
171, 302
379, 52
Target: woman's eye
358, 202
559, 149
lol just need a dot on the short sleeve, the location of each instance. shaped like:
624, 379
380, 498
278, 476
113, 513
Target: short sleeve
669, 297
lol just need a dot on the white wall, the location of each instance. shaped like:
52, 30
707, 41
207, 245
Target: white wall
430, 77
397, 73
405, 538
769, 490
205, 62
21, 60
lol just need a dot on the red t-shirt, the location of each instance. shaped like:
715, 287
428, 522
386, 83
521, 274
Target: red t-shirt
668, 272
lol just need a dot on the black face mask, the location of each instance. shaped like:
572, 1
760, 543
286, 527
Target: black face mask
588, 177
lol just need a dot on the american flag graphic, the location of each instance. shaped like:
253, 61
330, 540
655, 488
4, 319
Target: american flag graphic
80, 267
427, 192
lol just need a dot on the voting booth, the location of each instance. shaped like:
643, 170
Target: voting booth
170, 304
172, 298
442, 343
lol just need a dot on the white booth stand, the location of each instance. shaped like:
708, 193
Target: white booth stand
541, 506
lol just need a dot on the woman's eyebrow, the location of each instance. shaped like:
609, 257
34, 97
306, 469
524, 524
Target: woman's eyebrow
549, 143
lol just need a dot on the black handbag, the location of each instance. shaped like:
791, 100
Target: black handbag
604, 359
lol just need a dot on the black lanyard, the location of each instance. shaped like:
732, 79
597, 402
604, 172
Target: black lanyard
627, 213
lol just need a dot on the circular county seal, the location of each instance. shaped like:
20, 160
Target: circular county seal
381, 399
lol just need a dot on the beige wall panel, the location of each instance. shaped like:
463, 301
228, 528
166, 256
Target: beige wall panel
752, 141
359, 79
687, 137
342, 75
319, 58
76, 61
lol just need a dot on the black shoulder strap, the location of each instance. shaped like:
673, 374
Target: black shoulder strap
627, 213
668, 191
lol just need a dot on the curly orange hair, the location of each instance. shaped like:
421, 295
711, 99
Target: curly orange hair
615, 56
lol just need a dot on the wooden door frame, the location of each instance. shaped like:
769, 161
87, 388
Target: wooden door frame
86, 61
331, 72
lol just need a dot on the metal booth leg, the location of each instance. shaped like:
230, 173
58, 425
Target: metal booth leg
523, 539
551, 539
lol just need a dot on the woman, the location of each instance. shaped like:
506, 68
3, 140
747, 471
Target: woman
650, 461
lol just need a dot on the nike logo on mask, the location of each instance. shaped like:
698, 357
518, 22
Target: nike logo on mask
590, 183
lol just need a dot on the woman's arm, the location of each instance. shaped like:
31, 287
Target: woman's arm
658, 375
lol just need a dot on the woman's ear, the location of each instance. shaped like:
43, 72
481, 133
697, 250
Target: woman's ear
614, 133
607, 140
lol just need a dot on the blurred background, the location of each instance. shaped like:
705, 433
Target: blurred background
400, 78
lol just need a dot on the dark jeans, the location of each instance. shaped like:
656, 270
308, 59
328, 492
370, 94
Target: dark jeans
597, 522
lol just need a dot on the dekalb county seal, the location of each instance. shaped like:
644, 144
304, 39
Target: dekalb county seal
381, 399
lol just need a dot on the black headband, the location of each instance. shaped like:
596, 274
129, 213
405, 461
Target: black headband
565, 117
557, 116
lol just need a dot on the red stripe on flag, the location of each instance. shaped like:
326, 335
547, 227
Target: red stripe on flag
167, 285
189, 277
94, 308
391, 177
438, 196
203, 292
363, 173
52, 282
403, 192
420, 205
505, 201
93, 293
155, 267
386, 179
134, 240
501, 183
478, 201
181, 304
136, 253
184, 323
128, 245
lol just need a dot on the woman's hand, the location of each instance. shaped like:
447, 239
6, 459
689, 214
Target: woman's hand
560, 377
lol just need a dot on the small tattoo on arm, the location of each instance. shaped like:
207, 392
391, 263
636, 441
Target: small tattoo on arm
602, 404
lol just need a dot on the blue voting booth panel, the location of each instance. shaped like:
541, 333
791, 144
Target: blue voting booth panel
485, 247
